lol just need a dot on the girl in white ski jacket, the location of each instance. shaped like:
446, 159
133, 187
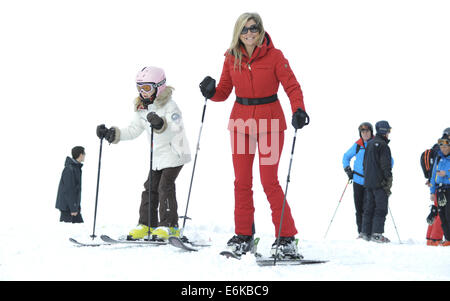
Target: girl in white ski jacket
155, 108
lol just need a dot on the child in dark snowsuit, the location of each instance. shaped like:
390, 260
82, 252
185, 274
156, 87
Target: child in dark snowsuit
68, 199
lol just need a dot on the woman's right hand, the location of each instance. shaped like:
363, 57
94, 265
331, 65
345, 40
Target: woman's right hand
102, 130
208, 87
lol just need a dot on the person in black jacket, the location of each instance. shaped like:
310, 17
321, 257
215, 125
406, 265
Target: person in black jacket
434, 231
378, 183
68, 200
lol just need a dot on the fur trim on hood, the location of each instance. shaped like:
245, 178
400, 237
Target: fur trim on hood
160, 101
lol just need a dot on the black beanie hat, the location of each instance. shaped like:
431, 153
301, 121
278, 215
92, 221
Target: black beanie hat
382, 127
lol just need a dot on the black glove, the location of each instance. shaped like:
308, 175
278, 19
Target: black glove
432, 215
208, 87
300, 119
101, 131
349, 172
156, 121
387, 185
440, 196
110, 135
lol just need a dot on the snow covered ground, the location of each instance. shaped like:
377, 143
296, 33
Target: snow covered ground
68, 67
51, 256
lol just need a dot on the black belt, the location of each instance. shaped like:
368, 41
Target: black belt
357, 173
256, 101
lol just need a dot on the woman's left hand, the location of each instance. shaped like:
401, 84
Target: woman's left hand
300, 119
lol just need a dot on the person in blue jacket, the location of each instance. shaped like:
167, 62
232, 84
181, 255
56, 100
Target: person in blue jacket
357, 174
440, 184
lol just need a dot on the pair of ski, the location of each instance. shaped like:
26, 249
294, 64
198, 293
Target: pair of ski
182, 243
271, 261
260, 259
185, 245
110, 241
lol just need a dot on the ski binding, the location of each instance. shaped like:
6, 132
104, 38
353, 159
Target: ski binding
110, 240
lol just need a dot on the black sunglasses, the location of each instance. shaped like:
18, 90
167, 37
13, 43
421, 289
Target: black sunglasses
254, 29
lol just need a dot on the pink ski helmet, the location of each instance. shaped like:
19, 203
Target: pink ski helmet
154, 76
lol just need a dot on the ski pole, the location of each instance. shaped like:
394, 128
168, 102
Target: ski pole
306, 122
193, 169
98, 182
349, 181
390, 212
150, 183
284, 200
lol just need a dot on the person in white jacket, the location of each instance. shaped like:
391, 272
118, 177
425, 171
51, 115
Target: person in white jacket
155, 108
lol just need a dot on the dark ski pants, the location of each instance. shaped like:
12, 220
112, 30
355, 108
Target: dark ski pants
358, 195
375, 211
163, 193
444, 214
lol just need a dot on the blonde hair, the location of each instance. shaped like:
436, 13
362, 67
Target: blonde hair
235, 47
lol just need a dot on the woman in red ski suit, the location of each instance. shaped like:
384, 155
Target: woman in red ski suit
255, 68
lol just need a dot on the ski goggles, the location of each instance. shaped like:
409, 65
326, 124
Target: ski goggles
363, 129
254, 29
443, 142
149, 87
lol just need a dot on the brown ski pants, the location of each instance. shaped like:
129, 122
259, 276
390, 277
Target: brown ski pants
162, 194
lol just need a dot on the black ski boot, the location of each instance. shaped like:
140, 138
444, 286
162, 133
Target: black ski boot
241, 244
287, 248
